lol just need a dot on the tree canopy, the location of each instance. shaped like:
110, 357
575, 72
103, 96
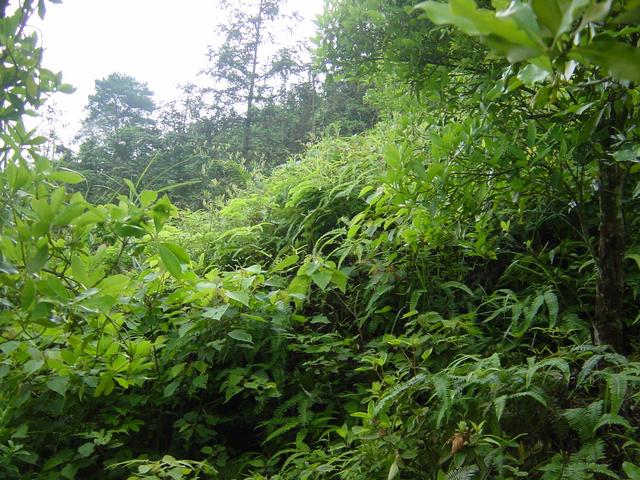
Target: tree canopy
119, 101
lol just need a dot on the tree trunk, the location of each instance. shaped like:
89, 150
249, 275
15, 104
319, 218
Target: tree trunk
608, 321
246, 143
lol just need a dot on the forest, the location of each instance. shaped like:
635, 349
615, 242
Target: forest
406, 249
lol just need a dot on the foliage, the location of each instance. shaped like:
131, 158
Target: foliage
412, 302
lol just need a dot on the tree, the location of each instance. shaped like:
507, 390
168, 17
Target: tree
119, 101
242, 71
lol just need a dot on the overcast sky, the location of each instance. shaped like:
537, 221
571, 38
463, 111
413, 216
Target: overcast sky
161, 42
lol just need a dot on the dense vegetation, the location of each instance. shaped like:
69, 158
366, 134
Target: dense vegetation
452, 293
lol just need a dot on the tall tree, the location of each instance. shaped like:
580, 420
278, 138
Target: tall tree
241, 67
119, 135
119, 101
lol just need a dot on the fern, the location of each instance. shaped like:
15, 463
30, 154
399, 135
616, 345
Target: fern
584, 420
463, 473
551, 301
558, 363
611, 419
283, 429
616, 390
588, 367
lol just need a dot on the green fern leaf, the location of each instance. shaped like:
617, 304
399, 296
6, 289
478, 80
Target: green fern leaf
463, 473
535, 307
616, 391
610, 419
552, 306
588, 368
283, 429
584, 420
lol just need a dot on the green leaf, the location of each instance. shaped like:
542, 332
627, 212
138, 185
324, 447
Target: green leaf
200, 381
65, 87
28, 294
41, 314
39, 260
161, 212
114, 285
532, 74
475, 21
32, 366
67, 214
170, 389
322, 278
524, 16
147, 197
86, 449
32, 87
589, 127
105, 386
69, 471
241, 297
66, 176
78, 270
215, 313
180, 253
125, 230
626, 155
59, 385
53, 288
393, 471
286, 262
185, 328
241, 336
339, 279
548, 14
570, 11
631, 470
597, 12
616, 391
499, 404
620, 60
551, 301
170, 261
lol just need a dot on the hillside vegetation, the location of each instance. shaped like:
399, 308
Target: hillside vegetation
451, 294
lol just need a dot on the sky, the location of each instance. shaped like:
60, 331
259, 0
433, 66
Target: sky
160, 42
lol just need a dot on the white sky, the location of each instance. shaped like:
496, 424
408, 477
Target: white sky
160, 42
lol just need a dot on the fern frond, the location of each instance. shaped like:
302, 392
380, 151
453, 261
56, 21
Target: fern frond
533, 309
399, 390
557, 363
603, 470
283, 429
584, 420
588, 367
551, 301
591, 452
611, 419
616, 391
463, 473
